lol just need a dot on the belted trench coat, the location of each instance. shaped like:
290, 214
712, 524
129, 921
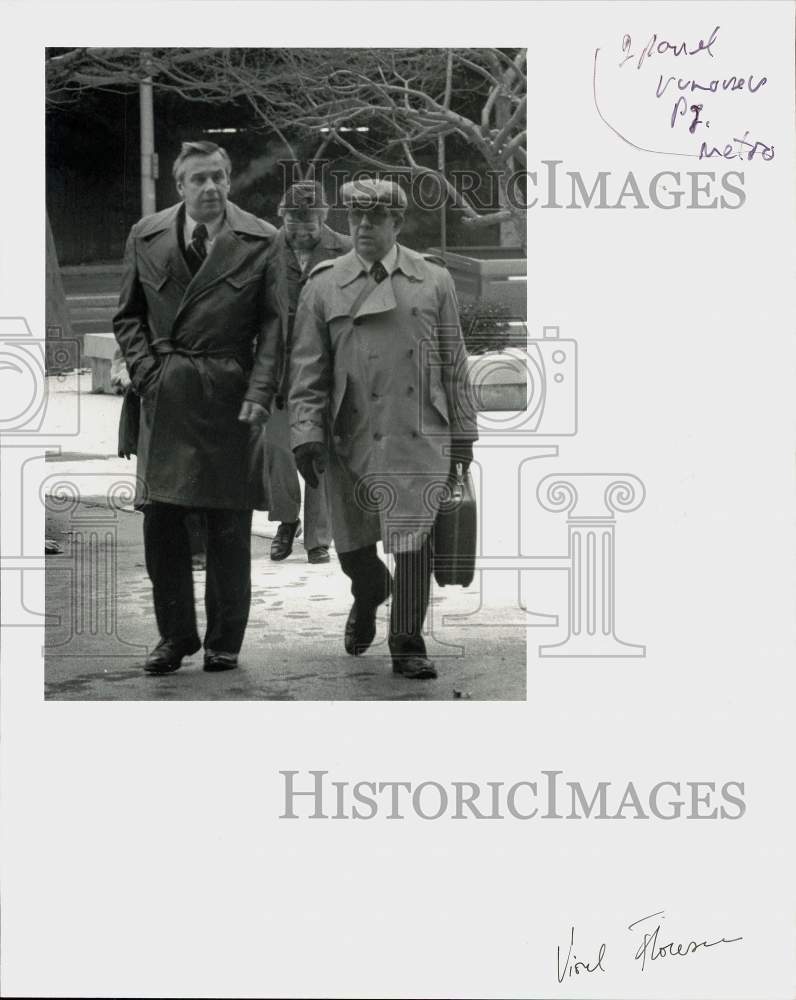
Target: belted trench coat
195, 349
378, 374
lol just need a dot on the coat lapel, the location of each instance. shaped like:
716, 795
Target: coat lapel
227, 253
363, 296
226, 256
380, 298
162, 247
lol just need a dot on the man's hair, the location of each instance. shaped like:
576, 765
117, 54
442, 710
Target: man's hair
200, 148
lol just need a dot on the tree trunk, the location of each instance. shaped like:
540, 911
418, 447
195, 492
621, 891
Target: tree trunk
58, 323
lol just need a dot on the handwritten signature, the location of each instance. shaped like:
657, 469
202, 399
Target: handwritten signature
651, 948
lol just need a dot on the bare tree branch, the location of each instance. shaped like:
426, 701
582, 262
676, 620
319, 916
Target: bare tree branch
389, 108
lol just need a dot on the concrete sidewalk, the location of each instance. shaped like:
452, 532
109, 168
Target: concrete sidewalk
101, 622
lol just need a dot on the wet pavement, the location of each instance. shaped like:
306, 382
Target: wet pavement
101, 623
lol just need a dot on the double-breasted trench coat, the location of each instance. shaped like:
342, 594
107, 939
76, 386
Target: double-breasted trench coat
378, 374
195, 349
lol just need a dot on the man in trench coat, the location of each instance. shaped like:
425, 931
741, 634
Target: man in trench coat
202, 345
302, 242
377, 403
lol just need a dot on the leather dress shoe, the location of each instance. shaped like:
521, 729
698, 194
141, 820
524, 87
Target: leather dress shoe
282, 545
167, 656
215, 661
415, 667
320, 554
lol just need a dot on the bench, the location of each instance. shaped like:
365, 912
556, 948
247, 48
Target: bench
98, 351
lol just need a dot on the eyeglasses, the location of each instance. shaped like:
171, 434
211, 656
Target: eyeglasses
376, 216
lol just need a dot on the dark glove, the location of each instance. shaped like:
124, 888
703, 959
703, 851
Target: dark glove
311, 462
279, 402
461, 452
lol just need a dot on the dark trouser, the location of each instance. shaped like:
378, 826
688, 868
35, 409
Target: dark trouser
197, 530
167, 550
284, 489
370, 583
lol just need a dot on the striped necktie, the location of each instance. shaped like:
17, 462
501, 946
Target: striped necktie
197, 249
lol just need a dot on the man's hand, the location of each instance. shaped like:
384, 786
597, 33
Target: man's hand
253, 413
143, 385
121, 380
311, 462
461, 451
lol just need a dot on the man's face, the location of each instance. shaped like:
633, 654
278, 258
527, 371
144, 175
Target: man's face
303, 229
373, 230
204, 187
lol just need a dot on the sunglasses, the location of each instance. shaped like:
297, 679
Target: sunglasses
373, 215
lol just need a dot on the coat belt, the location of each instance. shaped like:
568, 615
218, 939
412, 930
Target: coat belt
162, 348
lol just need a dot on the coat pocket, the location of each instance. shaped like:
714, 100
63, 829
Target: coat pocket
154, 280
245, 278
336, 417
439, 401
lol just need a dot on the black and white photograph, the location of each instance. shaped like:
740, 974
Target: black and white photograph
291, 283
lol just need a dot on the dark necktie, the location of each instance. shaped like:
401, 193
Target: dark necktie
379, 272
197, 250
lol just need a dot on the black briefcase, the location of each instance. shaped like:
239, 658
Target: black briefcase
455, 534
129, 423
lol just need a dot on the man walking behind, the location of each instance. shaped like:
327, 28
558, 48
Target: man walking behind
303, 242
203, 349
376, 385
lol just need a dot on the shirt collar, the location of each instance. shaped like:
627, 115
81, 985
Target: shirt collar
389, 260
213, 228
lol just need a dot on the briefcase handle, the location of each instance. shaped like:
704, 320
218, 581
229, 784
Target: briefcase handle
457, 489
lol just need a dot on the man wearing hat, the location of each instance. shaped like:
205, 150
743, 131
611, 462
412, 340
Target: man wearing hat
303, 241
376, 402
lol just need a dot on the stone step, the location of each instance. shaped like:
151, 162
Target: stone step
109, 267
91, 313
105, 300
92, 280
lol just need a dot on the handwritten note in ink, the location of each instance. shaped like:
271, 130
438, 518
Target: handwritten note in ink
696, 91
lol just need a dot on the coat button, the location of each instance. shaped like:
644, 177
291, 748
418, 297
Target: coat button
415, 311
415, 434
374, 395
377, 436
410, 390
410, 352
